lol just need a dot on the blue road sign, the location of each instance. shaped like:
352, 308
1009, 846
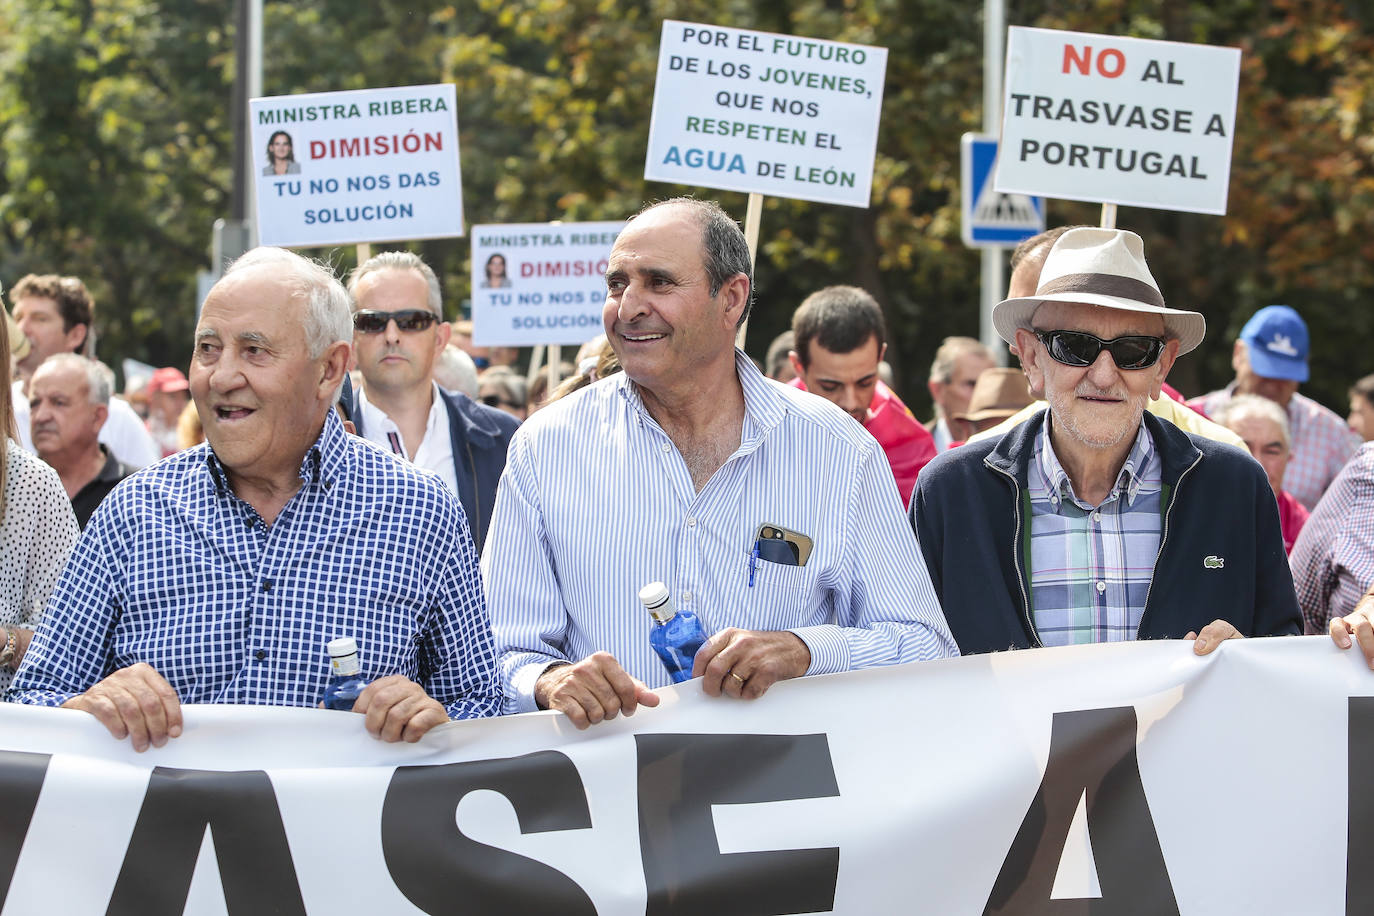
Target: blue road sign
991, 218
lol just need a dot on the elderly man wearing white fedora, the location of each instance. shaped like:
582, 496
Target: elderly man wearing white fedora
1095, 521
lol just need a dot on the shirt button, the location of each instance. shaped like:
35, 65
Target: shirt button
1097, 516
1101, 586
691, 521
267, 585
686, 596
260, 655
665, 446
248, 522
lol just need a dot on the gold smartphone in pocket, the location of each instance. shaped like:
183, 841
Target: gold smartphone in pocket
782, 545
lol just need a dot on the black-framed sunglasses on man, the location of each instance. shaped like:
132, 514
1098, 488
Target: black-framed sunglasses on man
371, 321
1078, 348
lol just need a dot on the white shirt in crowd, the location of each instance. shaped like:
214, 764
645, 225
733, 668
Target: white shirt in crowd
435, 452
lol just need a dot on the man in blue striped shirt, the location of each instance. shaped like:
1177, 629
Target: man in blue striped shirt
671, 471
220, 574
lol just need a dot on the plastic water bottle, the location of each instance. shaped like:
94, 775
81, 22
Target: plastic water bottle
345, 675
676, 635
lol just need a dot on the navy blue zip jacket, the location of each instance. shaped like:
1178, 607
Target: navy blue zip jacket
479, 436
1220, 554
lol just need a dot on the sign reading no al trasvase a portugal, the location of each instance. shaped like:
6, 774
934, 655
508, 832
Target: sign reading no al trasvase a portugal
370, 165
1118, 120
767, 114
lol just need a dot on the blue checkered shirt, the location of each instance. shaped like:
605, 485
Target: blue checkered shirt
1091, 566
176, 571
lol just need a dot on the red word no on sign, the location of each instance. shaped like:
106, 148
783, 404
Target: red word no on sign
1110, 62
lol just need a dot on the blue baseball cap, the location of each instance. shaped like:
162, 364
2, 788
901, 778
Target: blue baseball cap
1276, 343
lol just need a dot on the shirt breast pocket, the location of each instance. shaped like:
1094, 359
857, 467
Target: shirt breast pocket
781, 596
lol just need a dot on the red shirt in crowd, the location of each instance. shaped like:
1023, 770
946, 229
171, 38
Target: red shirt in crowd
1292, 516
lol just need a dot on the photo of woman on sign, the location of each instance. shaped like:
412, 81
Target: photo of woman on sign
496, 273
281, 160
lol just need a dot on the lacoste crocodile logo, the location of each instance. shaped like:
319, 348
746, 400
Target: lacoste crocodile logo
1213, 562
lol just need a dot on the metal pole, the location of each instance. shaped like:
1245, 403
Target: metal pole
994, 285
254, 91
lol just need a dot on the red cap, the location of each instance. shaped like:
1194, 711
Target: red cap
167, 378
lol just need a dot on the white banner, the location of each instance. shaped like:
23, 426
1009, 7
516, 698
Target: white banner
369, 165
765, 113
1118, 120
539, 283
1134, 775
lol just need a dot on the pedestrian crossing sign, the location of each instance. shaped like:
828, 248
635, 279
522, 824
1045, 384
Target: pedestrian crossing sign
992, 218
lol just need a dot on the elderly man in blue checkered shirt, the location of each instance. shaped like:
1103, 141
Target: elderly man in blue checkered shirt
220, 574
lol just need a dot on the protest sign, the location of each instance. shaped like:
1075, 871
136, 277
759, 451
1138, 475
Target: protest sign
1130, 777
371, 165
539, 283
1118, 120
766, 114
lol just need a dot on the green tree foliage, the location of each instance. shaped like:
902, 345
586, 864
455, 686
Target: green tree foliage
116, 138
117, 135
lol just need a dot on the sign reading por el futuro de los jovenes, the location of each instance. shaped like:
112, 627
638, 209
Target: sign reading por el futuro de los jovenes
1118, 120
369, 165
763, 113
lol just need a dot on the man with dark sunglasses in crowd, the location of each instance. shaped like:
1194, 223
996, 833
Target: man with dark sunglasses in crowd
398, 334
1095, 521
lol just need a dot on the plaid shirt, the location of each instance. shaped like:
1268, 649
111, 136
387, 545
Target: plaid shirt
1322, 443
1090, 566
1333, 559
176, 571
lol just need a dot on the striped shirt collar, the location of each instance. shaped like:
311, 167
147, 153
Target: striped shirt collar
324, 462
1127, 481
765, 406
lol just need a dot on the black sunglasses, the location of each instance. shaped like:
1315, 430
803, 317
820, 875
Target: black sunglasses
492, 400
1074, 348
372, 322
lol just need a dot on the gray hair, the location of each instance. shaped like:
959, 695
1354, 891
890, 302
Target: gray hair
951, 348
397, 260
455, 370
328, 319
99, 377
1252, 405
725, 252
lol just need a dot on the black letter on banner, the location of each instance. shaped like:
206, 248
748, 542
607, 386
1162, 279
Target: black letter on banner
682, 776
442, 871
255, 864
1094, 751
21, 776
1359, 878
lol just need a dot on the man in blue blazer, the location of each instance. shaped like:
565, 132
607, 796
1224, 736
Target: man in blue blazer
398, 334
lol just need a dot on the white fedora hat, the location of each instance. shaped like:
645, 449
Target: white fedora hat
1103, 267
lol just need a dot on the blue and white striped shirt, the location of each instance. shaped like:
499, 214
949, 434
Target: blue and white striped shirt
176, 571
597, 502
